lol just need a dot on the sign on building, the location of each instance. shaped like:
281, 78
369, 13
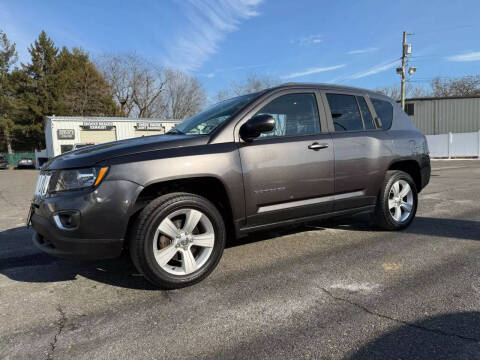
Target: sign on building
97, 125
149, 126
65, 134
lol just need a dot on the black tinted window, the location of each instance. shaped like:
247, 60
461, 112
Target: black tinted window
294, 114
367, 116
65, 148
345, 114
384, 110
410, 109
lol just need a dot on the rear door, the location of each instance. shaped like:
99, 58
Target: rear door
357, 141
288, 173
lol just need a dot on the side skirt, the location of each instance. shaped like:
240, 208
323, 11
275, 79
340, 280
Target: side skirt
245, 230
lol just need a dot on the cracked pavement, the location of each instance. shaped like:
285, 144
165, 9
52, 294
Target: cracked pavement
337, 289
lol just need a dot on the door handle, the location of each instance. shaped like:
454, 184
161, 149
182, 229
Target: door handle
317, 146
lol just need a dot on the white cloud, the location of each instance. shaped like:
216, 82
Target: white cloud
471, 56
308, 40
375, 69
208, 24
362, 51
312, 71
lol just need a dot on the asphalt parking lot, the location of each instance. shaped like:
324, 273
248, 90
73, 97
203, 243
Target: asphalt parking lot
332, 290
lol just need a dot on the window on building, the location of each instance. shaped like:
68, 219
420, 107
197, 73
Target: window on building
384, 110
294, 114
367, 116
410, 109
345, 113
65, 148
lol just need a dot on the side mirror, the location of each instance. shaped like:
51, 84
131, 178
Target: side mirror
257, 125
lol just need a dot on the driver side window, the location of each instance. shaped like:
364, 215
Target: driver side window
294, 115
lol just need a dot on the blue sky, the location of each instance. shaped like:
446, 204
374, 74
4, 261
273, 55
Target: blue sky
354, 43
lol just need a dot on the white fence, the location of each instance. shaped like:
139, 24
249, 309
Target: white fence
454, 145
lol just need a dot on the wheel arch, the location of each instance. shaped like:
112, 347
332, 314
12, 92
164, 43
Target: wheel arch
209, 187
412, 168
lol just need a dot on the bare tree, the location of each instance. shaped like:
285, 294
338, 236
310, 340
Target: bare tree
117, 70
394, 91
184, 95
147, 87
252, 83
463, 86
145, 90
390, 91
135, 84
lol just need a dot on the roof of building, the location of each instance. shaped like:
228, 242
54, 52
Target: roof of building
443, 98
110, 118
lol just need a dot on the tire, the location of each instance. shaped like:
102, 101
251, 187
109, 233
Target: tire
154, 239
390, 201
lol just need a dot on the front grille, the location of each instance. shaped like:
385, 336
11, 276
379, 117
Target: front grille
42, 184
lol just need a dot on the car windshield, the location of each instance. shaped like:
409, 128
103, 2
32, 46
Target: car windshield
207, 121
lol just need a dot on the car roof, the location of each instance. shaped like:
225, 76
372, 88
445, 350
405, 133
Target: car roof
320, 86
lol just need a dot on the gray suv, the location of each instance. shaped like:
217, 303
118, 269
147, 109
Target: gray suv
289, 154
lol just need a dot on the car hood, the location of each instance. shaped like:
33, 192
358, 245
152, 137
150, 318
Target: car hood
91, 155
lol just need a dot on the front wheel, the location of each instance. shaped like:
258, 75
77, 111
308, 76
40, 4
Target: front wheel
177, 240
397, 201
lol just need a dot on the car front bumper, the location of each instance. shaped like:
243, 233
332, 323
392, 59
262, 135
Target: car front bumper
101, 221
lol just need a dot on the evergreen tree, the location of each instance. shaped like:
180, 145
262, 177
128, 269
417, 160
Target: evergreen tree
8, 57
85, 91
55, 83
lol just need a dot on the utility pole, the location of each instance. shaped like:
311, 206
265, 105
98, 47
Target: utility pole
404, 64
406, 50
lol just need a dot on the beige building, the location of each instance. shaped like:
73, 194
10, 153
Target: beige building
64, 133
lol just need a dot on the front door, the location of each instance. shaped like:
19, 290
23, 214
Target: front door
288, 173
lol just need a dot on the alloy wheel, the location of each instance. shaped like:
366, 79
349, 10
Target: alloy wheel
183, 241
400, 201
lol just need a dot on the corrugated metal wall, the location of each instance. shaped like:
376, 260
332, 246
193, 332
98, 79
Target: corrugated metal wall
446, 115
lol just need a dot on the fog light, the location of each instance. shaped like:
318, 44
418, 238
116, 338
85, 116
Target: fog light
67, 220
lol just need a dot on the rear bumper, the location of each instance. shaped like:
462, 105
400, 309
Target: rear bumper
425, 170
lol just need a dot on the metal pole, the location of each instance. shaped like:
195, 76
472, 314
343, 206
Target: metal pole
404, 64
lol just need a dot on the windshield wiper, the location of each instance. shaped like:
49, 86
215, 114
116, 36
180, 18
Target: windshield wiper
175, 132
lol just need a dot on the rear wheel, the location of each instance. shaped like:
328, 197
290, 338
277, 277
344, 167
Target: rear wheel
397, 201
177, 240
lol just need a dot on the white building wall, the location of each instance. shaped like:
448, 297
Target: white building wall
124, 128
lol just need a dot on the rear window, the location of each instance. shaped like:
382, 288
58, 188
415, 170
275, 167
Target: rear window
367, 116
345, 114
384, 110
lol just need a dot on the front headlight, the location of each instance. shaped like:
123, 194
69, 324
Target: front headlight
76, 179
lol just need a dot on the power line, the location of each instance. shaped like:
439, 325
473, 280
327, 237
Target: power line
421, 33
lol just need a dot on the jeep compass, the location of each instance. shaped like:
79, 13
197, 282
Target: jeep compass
289, 154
